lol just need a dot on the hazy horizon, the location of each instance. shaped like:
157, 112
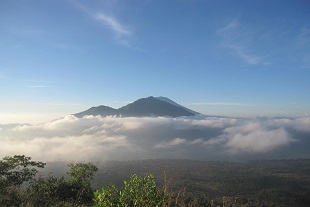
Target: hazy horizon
25, 119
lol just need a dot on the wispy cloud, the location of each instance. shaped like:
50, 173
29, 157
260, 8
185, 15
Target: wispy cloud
38, 86
239, 40
62, 104
304, 36
229, 27
222, 104
31, 83
244, 54
120, 30
304, 44
113, 24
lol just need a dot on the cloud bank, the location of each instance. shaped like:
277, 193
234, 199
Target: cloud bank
111, 138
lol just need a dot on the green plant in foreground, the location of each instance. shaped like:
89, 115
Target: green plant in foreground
137, 192
14, 171
17, 169
77, 190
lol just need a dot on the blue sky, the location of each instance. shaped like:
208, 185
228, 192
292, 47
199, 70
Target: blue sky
234, 58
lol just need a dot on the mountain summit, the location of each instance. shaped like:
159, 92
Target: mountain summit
150, 106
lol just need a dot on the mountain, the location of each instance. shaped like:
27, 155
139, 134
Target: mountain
99, 110
176, 104
149, 106
153, 107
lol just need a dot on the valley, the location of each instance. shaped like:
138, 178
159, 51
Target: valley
259, 182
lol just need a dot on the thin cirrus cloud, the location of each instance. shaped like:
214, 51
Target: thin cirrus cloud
239, 40
111, 138
32, 83
304, 44
244, 54
222, 104
38, 86
121, 32
304, 36
113, 24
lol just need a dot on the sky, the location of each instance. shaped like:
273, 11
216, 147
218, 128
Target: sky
231, 58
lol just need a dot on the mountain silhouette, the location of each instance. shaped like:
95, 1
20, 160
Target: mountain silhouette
143, 107
176, 104
98, 110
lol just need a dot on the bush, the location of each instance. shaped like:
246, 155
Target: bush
77, 190
14, 171
137, 192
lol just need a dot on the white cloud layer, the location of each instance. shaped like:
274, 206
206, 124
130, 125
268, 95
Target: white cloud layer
110, 138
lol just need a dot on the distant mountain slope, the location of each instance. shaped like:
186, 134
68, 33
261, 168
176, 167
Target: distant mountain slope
153, 107
99, 110
176, 104
149, 106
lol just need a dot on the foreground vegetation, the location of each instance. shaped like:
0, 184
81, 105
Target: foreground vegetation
19, 186
190, 183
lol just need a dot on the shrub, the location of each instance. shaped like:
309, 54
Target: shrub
137, 192
77, 190
14, 171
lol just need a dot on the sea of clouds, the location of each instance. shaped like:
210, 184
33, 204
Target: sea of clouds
95, 138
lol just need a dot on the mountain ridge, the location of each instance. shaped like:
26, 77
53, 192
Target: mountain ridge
143, 107
176, 104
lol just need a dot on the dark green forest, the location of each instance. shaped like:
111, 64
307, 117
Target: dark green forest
24, 182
